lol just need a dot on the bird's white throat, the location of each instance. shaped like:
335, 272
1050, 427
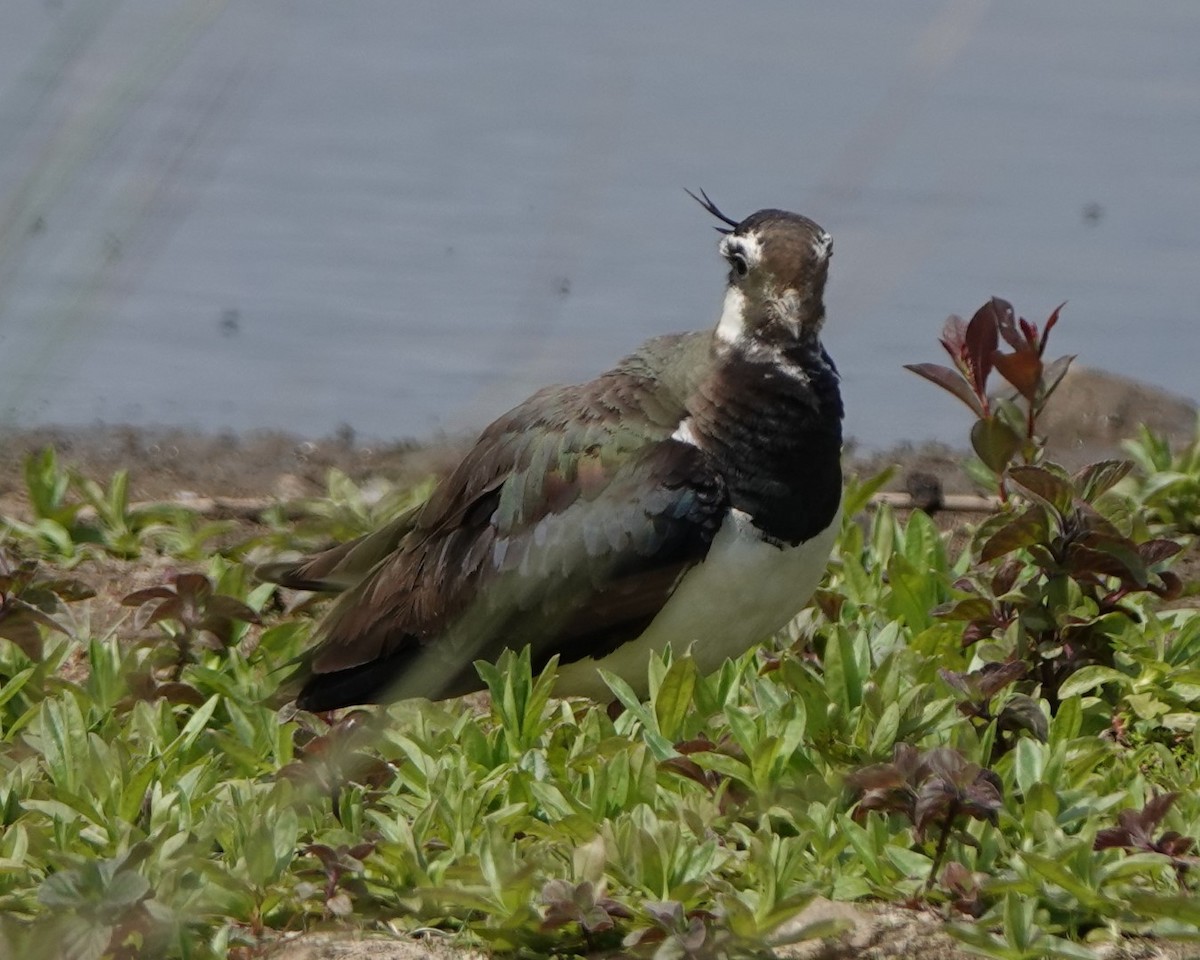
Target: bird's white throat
732, 324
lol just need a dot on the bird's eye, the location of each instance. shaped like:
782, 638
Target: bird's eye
737, 260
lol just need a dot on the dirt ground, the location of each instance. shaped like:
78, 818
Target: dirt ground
1087, 419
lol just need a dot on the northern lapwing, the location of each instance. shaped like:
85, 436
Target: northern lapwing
687, 497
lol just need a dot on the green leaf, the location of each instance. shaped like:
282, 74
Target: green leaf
63, 890
858, 492
995, 443
910, 862
1055, 872
126, 888
1090, 677
1029, 763
885, 730
82, 938
198, 722
1185, 909
913, 594
674, 700
1018, 920
659, 745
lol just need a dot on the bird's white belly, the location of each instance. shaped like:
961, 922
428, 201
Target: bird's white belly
745, 591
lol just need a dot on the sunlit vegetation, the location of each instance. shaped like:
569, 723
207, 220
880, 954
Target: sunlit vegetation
1004, 732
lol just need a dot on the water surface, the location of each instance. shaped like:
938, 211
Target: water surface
406, 216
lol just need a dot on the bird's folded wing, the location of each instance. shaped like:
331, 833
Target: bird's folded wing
340, 568
569, 538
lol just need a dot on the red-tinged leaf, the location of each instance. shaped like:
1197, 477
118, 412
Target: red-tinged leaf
193, 586
907, 759
948, 764
994, 677
368, 771
954, 340
700, 744
1050, 322
982, 340
1024, 713
668, 913
949, 380
1022, 531
361, 851
323, 852
1022, 369
15, 608
138, 597
994, 442
141, 685
1006, 576
1171, 588
1109, 561
177, 693
68, 590
690, 769
1007, 326
961, 682
1030, 332
983, 801
24, 633
958, 877
1112, 837
1156, 808
1095, 524
171, 609
933, 799
830, 603
1098, 478
214, 634
877, 776
1174, 844
1156, 551
222, 606
1051, 489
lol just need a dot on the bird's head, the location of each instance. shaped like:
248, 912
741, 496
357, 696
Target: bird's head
778, 264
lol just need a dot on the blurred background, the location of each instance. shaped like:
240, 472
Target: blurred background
404, 217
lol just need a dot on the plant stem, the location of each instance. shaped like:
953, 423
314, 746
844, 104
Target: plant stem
943, 840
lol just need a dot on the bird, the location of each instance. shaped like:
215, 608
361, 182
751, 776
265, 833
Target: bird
687, 498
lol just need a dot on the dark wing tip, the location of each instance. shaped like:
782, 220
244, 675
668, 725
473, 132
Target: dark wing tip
293, 574
712, 208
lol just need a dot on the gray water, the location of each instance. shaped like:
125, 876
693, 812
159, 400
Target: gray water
405, 216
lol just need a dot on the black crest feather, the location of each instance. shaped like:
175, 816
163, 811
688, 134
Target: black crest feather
712, 208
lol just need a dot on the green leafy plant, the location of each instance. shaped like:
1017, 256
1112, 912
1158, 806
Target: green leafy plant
1004, 731
103, 908
192, 615
931, 788
1136, 832
74, 515
1166, 486
1054, 568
